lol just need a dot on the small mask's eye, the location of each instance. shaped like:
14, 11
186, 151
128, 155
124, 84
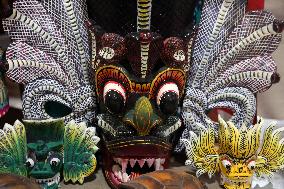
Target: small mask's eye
168, 98
227, 164
54, 161
251, 165
114, 96
30, 162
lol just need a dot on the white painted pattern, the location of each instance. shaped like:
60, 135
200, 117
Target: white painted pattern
216, 30
179, 55
114, 86
107, 53
167, 87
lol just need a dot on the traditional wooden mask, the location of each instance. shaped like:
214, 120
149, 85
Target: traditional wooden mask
238, 153
43, 149
140, 79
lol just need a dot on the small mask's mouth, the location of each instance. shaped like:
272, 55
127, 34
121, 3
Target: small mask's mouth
49, 182
235, 179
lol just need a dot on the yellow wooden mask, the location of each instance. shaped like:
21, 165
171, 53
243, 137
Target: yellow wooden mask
237, 154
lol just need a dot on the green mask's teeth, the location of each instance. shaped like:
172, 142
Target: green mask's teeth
49, 181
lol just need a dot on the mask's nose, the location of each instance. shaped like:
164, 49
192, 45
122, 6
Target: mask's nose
142, 118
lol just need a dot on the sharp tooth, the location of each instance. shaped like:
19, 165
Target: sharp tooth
137, 175
124, 163
116, 169
117, 160
119, 175
125, 177
150, 162
141, 162
132, 162
157, 164
132, 176
163, 160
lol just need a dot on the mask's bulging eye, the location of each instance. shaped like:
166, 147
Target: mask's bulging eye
30, 162
227, 164
54, 161
251, 165
114, 96
168, 98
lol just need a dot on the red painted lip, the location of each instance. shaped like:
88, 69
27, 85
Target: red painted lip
137, 148
146, 146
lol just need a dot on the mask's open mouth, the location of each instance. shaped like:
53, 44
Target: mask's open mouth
49, 182
126, 159
124, 170
235, 180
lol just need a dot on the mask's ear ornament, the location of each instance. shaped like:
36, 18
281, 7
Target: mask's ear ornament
237, 154
51, 57
231, 61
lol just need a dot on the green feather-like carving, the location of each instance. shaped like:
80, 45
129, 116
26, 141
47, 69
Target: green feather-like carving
80, 146
13, 149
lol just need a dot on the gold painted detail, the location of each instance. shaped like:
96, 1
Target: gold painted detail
142, 118
141, 88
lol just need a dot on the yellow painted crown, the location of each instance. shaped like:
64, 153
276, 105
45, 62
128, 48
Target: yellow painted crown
238, 143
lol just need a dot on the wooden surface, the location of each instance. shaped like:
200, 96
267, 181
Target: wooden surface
98, 182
